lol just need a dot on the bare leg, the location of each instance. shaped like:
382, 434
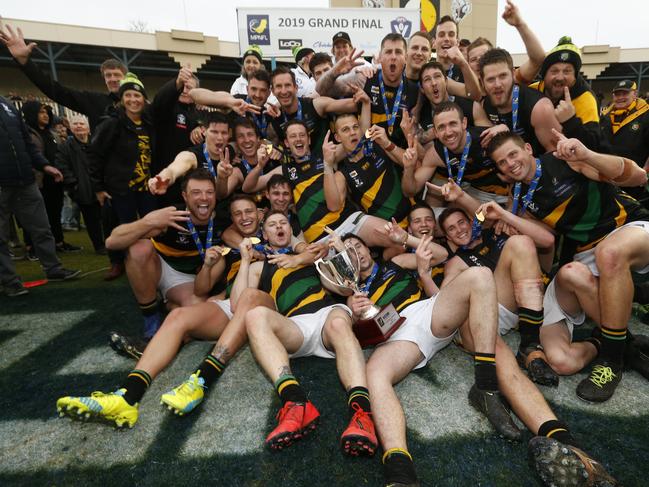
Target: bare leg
204, 321
616, 256
272, 337
387, 366
143, 270
338, 336
565, 356
182, 295
234, 336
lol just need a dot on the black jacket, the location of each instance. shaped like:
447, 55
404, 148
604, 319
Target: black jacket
114, 151
96, 106
18, 154
72, 161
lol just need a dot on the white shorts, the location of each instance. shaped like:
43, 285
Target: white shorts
507, 320
587, 257
417, 329
224, 304
311, 326
553, 313
170, 278
352, 224
484, 197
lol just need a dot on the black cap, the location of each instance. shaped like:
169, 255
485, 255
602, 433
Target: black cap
340, 35
625, 85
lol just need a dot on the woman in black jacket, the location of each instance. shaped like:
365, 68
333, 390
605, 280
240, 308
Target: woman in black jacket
121, 155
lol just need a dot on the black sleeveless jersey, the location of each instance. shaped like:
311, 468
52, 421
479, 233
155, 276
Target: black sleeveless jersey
486, 253
316, 125
409, 96
307, 182
527, 98
480, 171
375, 185
583, 210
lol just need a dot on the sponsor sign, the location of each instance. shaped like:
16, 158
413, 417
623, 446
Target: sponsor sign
278, 30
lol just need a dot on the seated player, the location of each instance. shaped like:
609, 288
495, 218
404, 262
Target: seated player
517, 272
560, 189
164, 255
210, 320
308, 322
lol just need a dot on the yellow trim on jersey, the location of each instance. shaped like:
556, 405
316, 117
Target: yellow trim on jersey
171, 252
621, 217
413, 298
300, 188
379, 292
558, 212
370, 195
316, 229
308, 300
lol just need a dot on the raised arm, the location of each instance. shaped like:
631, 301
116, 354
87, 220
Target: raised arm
335, 187
535, 53
256, 180
599, 167
152, 224
248, 274
211, 271
332, 83
184, 162
471, 86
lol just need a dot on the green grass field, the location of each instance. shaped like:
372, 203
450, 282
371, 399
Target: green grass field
53, 342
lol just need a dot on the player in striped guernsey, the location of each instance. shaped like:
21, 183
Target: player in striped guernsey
470, 306
430, 324
306, 173
574, 192
311, 323
366, 173
456, 154
211, 320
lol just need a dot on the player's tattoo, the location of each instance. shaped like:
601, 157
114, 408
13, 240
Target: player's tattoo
220, 352
285, 370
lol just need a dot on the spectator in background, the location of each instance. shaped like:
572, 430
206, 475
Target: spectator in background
19, 195
303, 78
37, 117
252, 61
464, 46
121, 155
71, 159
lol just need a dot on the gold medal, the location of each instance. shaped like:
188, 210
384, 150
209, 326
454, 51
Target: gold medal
225, 250
480, 216
269, 148
367, 134
254, 240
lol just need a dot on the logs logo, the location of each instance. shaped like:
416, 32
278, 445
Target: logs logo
258, 30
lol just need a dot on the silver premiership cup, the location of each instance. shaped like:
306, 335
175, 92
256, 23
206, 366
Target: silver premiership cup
376, 324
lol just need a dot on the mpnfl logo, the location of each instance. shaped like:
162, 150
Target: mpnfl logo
289, 43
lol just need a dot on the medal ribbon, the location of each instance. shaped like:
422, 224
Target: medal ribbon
465, 156
197, 239
391, 117
527, 199
210, 164
366, 287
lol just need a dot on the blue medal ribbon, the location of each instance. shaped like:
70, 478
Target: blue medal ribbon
515, 91
527, 199
299, 112
260, 121
197, 239
449, 72
476, 232
465, 156
391, 117
366, 144
247, 165
210, 164
282, 250
368, 282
